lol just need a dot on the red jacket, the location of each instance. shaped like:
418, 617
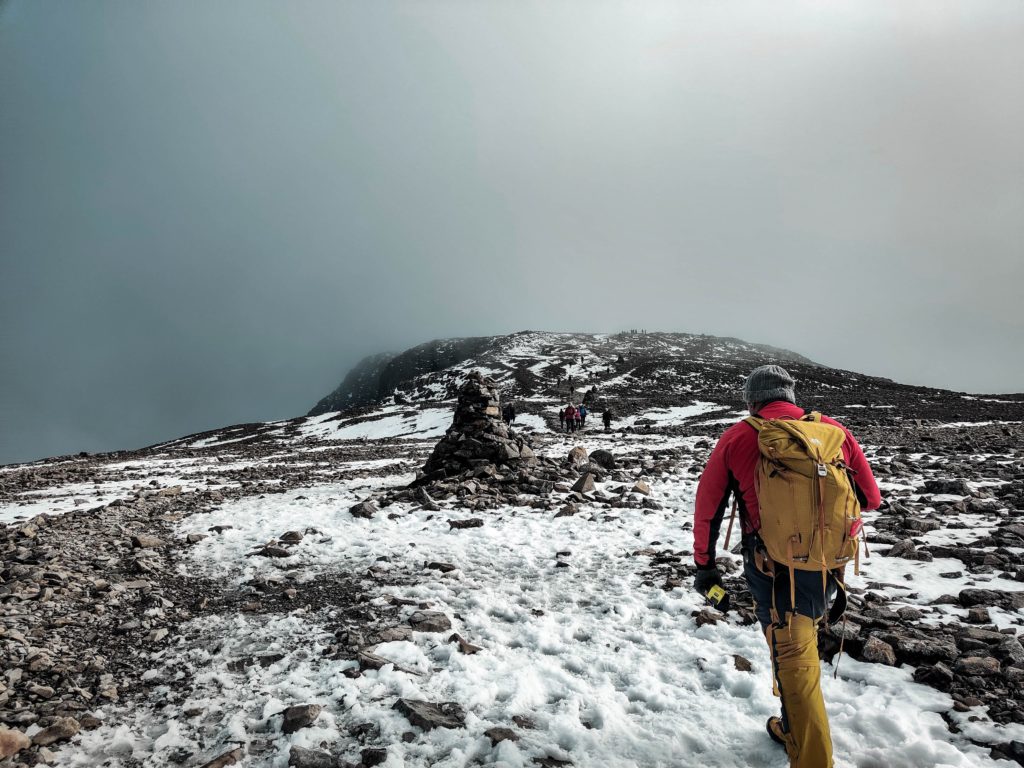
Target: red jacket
732, 468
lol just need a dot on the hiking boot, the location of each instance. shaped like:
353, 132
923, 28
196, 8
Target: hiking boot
774, 728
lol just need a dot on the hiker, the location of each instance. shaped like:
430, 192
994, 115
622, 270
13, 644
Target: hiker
570, 418
508, 414
583, 415
561, 419
577, 422
795, 577
606, 417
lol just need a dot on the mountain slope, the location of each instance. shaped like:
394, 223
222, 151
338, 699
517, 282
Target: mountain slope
630, 371
174, 601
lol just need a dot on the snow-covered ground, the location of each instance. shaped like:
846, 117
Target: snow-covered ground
611, 672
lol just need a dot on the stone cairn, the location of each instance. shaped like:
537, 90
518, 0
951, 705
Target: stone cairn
478, 437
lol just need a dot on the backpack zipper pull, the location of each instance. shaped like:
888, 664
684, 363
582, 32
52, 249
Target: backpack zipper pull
822, 471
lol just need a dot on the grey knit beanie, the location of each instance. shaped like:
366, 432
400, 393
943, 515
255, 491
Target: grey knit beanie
769, 382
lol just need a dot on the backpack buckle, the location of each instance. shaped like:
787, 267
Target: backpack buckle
822, 470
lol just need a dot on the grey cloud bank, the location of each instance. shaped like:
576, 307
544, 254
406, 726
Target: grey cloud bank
209, 211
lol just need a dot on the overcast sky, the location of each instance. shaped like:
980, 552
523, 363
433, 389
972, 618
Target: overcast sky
210, 210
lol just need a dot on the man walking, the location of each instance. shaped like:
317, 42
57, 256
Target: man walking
789, 601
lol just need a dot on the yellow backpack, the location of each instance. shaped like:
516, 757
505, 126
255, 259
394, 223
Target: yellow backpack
810, 515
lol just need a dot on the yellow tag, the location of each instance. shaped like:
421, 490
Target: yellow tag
715, 594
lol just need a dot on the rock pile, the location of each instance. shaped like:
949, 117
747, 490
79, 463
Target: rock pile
478, 437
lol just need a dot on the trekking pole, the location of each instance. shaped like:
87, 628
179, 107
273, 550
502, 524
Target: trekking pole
732, 516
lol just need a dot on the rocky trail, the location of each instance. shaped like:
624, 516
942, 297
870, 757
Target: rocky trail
361, 589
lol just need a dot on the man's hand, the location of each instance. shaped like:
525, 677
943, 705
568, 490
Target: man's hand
706, 580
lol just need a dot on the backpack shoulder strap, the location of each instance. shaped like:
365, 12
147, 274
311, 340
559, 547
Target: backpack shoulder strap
814, 416
755, 421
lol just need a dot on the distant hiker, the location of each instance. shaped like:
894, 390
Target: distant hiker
508, 414
577, 421
606, 417
583, 415
570, 418
795, 575
561, 419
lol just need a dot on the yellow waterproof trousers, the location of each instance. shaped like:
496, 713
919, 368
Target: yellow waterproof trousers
794, 650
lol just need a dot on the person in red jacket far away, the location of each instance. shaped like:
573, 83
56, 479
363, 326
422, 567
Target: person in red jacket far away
769, 393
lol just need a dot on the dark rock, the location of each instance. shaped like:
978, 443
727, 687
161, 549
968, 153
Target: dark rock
472, 522
429, 715
955, 486
603, 458
373, 756
498, 735
430, 621
585, 484
936, 675
524, 722
298, 757
300, 716
879, 652
390, 635
568, 510
61, 729
642, 487
272, 550
364, 509
442, 567
464, 645
370, 660
426, 501
977, 665
231, 757
978, 616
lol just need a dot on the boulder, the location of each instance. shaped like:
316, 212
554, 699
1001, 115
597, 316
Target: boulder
472, 522
585, 484
272, 550
603, 458
298, 757
498, 735
879, 652
429, 715
300, 716
577, 456
954, 486
12, 742
464, 645
364, 509
61, 729
983, 666
430, 621
371, 757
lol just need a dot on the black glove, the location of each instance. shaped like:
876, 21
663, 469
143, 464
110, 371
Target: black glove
707, 578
